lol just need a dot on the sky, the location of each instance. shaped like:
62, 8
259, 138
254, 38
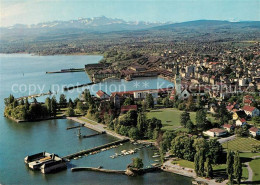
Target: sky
37, 11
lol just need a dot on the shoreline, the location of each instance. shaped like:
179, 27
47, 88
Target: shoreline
98, 127
70, 54
187, 172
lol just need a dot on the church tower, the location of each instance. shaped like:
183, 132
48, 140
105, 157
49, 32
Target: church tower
177, 80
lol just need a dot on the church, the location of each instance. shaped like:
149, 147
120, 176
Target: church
182, 91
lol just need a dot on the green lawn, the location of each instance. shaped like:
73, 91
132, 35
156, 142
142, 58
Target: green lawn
241, 144
184, 163
255, 165
220, 168
88, 120
170, 117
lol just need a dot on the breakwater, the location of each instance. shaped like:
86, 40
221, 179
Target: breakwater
98, 170
77, 86
80, 153
72, 70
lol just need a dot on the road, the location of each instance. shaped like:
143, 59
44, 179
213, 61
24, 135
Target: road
226, 139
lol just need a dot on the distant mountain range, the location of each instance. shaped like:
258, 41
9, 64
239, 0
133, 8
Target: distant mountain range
101, 25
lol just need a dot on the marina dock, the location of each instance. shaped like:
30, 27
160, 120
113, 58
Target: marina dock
92, 135
78, 126
80, 153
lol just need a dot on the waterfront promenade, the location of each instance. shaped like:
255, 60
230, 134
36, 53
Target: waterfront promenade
97, 127
188, 172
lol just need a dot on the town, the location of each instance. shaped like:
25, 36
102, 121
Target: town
214, 96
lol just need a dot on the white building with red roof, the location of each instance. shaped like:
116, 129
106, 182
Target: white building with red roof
251, 111
241, 121
254, 131
215, 132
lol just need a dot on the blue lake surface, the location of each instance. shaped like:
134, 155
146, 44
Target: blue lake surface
19, 140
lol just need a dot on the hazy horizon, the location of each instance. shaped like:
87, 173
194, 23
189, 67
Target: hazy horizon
39, 11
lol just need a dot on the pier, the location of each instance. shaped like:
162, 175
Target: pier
98, 170
80, 153
78, 126
77, 86
140, 171
34, 96
92, 135
72, 70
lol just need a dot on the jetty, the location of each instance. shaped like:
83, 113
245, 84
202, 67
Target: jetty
71, 70
34, 96
140, 171
77, 86
97, 169
80, 153
92, 135
78, 126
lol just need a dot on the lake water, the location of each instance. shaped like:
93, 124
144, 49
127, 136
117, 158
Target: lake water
19, 73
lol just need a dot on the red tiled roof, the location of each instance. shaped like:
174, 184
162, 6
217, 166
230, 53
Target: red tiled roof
218, 130
242, 120
227, 126
100, 93
248, 108
132, 92
253, 129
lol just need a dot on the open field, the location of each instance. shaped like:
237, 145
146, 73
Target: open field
255, 166
170, 117
241, 144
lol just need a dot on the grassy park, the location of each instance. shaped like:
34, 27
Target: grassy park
255, 165
170, 117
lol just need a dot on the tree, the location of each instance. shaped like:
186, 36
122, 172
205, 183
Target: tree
201, 118
237, 168
199, 103
222, 114
80, 107
27, 105
196, 163
63, 100
134, 133
256, 121
185, 117
53, 106
214, 150
22, 102
182, 147
166, 102
166, 140
200, 144
144, 106
208, 168
70, 112
154, 125
189, 126
71, 103
201, 163
48, 105
190, 104
230, 166
149, 100
128, 101
141, 123
137, 163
